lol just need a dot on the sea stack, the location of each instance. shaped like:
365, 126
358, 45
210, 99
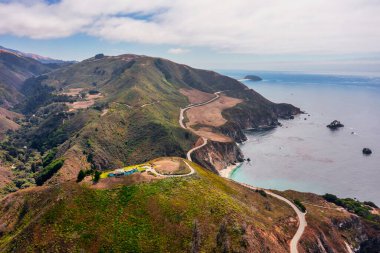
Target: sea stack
367, 151
335, 125
253, 78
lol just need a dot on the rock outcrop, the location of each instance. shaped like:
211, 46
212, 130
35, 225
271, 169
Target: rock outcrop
335, 125
216, 156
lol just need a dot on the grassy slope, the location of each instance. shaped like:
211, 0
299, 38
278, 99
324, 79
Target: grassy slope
128, 133
131, 135
155, 217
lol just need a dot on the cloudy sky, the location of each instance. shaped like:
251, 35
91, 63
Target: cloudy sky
341, 36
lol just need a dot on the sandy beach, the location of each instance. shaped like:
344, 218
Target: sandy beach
227, 172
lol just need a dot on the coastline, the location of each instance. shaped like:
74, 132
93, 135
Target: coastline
229, 170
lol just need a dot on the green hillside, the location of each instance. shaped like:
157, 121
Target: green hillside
133, 119
168, 215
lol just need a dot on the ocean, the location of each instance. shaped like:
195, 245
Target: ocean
304, 154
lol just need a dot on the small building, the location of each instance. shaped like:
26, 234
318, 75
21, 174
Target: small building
119, 172
130, 172
122, 172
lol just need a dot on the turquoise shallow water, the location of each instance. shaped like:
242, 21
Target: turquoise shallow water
304, 154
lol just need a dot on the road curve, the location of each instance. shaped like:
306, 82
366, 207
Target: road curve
183, 110
192, 171
182, 117
188, 155
300, 215
301, 218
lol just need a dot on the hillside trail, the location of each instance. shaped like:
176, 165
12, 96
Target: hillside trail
300, 215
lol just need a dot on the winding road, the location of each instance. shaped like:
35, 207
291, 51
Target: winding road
300, 215
188, 155
183, 110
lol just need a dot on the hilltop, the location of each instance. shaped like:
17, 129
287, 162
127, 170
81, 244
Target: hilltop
112, 111
163, 216
169, 215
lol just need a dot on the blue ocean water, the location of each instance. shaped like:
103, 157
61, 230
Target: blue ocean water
304, 154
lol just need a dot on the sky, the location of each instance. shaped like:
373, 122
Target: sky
316, 36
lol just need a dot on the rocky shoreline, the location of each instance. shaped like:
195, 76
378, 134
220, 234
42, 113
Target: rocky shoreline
218, 156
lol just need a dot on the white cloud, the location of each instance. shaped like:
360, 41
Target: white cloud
242, 26
178, 50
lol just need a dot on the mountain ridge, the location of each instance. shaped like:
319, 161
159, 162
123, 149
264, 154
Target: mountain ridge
42, 59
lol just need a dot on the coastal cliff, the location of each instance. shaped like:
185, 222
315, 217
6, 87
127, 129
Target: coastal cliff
255, 113
216, 156
331, 228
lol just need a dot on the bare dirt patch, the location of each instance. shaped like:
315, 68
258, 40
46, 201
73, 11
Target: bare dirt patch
9, 114
73, 92
7, 124
86, 103
170, 166
7, 120
210, 115
196, 96
80, 105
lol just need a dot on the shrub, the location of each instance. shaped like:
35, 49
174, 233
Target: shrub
262, 193
49, 171
93, 92
48, 158
90, 158
370, 203
330, 197
353, 206
300, 206
81, 176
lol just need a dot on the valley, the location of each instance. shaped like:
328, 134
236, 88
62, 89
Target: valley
178, 127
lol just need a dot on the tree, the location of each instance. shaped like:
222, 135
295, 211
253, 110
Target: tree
81, 176
96, 176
